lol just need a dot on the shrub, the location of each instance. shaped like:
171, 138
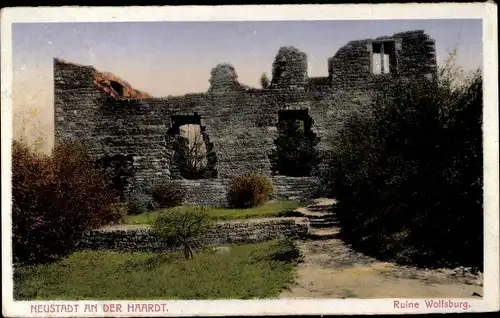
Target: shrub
295, 154
183, 226
408, 176
168, 194
139, 203
249, 190
55, 199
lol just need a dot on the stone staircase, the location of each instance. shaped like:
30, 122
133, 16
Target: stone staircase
323, 223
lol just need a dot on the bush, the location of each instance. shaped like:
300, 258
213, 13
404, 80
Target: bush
56, 199
139, 203
168, 194
182, 226
249, 190
408, 177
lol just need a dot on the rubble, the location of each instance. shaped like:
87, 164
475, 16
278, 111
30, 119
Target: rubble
116, 87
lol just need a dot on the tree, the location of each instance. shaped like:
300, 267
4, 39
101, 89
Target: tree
264, 81
56, 199
183, 226
408, 175
295, 154
190, 156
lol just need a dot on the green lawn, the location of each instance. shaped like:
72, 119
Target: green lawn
271, 209
242, 272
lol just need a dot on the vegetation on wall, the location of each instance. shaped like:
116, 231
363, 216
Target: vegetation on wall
295, 154
264, 81
120, 169
167, 194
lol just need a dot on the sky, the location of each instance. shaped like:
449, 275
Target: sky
174, 58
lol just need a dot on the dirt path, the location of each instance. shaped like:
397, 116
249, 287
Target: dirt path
331, 270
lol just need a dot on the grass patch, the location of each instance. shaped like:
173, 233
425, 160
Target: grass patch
242, 272
270, 209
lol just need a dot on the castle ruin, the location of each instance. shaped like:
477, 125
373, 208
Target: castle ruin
238, 125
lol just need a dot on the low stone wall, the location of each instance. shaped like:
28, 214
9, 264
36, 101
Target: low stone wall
141, 238
295, 188
212, 192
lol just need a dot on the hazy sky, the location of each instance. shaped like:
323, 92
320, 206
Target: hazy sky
173, 58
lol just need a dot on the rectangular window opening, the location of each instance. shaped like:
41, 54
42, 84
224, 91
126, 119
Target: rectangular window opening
383, 58
389, 57
377, 59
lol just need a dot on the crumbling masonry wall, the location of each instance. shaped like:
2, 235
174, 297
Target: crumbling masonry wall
240, 121
222, 233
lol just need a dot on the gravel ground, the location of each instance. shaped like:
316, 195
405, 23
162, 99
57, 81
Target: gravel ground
333, 270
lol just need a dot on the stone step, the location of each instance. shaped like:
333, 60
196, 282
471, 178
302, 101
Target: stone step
315, 213
323, 202
321, 217
323, 224
312, 215
320, 209
324, 220
323, 234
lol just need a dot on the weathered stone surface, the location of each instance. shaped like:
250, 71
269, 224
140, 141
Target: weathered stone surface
223, 77
289, 68
212, 192
234, 232
116, 87
239, 122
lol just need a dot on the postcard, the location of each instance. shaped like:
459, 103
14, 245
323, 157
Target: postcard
249, 160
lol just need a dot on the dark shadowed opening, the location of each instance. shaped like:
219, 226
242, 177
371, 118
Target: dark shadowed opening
121, 170
390, 51
117, 87
181, 120
295, 154
193, 156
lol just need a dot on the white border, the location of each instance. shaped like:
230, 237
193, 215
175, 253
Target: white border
484, 11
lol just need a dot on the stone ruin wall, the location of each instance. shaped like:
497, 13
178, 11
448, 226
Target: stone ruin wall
240, 121
222, 233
